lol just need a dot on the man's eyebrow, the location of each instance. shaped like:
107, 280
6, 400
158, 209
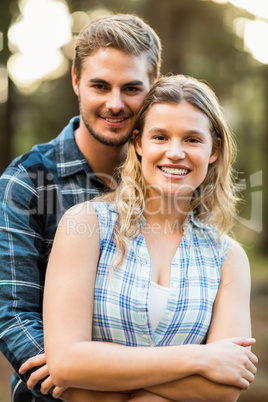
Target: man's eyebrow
98, 81
102, 81
133, 83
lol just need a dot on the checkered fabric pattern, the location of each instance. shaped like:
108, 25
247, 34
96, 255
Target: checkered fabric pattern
35, 190
121, 297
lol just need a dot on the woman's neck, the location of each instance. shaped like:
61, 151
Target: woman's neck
164, 207
169, 216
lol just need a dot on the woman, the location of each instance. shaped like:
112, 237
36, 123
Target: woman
150, 265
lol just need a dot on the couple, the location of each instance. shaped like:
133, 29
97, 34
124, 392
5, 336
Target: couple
145, 265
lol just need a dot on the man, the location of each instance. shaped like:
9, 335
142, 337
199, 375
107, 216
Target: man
117, 58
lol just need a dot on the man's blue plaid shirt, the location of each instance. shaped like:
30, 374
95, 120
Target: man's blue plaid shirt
35, 190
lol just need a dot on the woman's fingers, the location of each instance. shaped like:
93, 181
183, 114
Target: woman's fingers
246, 375
243, 341
253, 358
249, 377
251, 367
250, 371
231, 362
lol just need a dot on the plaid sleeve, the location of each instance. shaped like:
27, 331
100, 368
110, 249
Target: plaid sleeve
22, 268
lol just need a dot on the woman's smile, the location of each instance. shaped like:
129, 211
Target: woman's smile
175, 172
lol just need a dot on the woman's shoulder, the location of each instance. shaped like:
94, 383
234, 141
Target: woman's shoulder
83, 211
236, 265
103, 206
86, 209
77, 225
210, 233
78, 219
210, 241
90, 214
236, 251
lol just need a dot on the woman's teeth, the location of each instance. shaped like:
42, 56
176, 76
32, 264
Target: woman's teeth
174, 170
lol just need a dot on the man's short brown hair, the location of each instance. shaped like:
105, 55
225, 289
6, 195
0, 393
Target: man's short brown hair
124, 32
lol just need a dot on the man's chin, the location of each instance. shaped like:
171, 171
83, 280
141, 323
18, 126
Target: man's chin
114, 140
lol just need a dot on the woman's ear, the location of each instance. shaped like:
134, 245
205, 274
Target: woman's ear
213, 157
215, 151
137, 141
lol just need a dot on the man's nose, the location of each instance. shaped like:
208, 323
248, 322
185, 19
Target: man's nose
115, 101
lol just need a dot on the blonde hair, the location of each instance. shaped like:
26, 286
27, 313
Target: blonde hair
214, 202
125, 32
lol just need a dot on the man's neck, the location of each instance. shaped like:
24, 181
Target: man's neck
103, 159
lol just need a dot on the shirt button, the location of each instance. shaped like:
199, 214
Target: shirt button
175, 285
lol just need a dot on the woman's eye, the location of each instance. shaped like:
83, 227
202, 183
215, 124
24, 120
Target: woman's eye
194, 140
159, 137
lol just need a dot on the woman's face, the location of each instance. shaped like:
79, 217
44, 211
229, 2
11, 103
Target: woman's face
175, 148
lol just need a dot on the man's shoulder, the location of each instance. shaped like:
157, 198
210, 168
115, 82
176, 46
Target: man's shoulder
44, 156
37, 155
41, 158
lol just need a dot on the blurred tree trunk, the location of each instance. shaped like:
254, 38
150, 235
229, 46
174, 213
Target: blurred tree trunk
7, 107
163, 17
265, 167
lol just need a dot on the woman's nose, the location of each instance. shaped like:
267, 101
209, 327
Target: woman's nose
175, 151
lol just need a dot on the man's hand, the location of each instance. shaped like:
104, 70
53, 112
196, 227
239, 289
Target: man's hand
40, 374
70, 394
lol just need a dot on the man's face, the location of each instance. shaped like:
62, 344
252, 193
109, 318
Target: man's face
111, 89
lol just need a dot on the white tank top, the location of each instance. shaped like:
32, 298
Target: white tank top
157, 302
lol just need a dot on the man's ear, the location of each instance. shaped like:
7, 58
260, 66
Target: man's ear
137, 141
75, 82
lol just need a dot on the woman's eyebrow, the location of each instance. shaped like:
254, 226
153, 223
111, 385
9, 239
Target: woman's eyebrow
157, 130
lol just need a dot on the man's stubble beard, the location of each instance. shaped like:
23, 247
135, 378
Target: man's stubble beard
104, 139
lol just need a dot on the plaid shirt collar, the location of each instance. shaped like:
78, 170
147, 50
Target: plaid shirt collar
69, 158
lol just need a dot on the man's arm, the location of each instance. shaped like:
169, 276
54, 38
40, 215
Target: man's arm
23, 252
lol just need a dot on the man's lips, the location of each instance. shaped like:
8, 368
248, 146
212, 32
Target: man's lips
117, 119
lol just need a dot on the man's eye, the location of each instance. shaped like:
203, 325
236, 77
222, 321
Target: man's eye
132, 89
100, 87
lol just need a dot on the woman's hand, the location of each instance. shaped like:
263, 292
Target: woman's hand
229, 362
